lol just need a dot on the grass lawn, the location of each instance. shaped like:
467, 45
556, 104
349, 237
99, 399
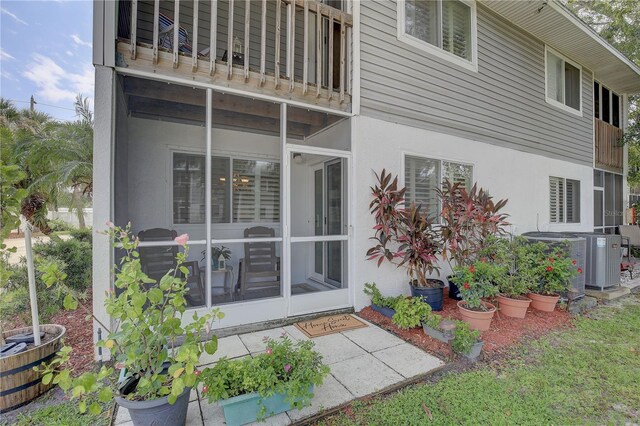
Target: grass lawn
586, 375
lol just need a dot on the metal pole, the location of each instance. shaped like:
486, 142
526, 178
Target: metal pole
35, 322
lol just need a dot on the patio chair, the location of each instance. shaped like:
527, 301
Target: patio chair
260, 268
630, 237
156, 261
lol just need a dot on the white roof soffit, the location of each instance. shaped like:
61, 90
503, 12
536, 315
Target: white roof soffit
556, 26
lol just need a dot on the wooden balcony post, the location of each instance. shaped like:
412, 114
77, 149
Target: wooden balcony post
263, 43
330, 61
134, 28
194, 42
343, 44
156, 36
318, 51
305, 54
247, 31
213, 35
277, 46
292, 47
230, 41
176, 33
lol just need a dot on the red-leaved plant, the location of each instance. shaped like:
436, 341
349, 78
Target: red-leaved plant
469, 218
404, 236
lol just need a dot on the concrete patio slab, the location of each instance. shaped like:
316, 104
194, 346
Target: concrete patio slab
608, 294
364, 374
231, 347
330, 394
372, 339
254, 341
361, 361
408, 360
336, 348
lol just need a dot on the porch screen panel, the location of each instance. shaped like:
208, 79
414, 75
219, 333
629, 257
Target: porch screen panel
220, 190
422, 181
256, 191
573, 201
421, 20
556, 200
618, 205
456, 28
188, 188
555, 86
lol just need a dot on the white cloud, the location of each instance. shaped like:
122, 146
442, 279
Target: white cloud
69, 53
4, 55
80, 42
7, 75
57, 84
12, 15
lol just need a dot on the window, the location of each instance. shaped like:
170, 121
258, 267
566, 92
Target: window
606, 105
564, 200
252, 191
423, 176
446, 28
564, 82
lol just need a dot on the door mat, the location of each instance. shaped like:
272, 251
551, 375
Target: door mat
329, 325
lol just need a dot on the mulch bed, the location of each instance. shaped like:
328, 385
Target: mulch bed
79, 334
504, 333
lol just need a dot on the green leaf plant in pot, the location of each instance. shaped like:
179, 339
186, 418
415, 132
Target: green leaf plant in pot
405, 237
281, 378
518, 256
554, 269
154, 352
468, 219
476, 282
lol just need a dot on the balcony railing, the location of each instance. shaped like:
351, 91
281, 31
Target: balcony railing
609, 150
298, 49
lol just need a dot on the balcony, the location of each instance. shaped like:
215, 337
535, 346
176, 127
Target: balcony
609, 150
293, 49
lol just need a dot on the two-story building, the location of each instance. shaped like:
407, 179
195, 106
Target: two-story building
255, 126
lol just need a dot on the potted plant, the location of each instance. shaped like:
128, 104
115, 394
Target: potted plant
216, 254
154, 355
518, 257
466, 341
410, 312
554, 269
431, 325
475, 283
379, 303
405, 237
281, 378
469, 218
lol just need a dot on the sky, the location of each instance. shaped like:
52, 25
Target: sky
45, 51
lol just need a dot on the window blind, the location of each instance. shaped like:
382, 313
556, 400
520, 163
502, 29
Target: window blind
458, 173
456, 28
556, 200
422, 179
573, 200
421, 20
571, 86
256, 191
555, 85
188, 188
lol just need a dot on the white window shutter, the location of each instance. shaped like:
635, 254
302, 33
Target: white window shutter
556, 200
573, 201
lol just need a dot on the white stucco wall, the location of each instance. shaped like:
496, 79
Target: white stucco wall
520, 177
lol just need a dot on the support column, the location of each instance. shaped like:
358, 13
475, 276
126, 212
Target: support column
103, 140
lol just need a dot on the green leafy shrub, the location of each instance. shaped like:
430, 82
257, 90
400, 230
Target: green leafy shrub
477, 281
378, 299
518, 256
432, 320
285, 367
147, 316
74, 254
410, 312
554, 268
463, 337
82, 234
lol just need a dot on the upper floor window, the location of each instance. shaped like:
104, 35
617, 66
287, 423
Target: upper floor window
445, 28
564, 82
606, 105
423, 176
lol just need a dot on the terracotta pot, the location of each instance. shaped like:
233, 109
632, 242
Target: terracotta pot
514, 308
543, 303
477, 320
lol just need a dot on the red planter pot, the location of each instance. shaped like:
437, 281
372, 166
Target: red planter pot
514, 308
478, 320
543, 303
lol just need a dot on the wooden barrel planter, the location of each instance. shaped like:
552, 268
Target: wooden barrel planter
19, 383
